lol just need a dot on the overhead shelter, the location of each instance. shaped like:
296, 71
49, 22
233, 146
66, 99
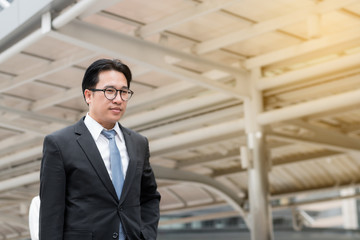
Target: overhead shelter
246, 103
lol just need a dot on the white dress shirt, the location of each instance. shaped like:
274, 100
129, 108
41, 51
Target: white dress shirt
102, 143
34, 218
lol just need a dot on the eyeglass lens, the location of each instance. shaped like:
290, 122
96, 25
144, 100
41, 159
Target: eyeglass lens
110, 93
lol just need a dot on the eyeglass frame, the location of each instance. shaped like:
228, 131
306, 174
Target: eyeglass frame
116, 92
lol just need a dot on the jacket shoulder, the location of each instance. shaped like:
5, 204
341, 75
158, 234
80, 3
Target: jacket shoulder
69, 130
131, 133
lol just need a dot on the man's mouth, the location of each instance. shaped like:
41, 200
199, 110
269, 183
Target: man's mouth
116, 109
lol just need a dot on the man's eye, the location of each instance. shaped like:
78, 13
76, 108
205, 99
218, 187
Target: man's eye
110, 90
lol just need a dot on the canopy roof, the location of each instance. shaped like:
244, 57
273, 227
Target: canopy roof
194, 63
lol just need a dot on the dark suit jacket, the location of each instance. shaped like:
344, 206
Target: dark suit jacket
78, 200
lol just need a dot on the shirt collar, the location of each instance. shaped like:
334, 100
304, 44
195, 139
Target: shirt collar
95, 128
118, 131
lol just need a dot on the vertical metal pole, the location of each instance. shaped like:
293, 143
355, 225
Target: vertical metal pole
260, 214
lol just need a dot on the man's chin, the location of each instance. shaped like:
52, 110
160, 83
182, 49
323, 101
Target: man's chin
115, 118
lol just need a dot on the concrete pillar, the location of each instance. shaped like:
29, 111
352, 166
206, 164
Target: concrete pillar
349, 209
260, 213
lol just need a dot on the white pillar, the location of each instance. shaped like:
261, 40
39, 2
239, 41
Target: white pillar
349, 210
260, 213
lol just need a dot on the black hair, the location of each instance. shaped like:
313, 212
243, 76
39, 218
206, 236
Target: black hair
91, 76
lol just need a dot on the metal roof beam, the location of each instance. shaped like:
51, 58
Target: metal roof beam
146, 53
20, 127
303, 48
170, 110
183, 16
328, 136
326, 142
56, 99
316, 106
326, 68
308, 158
295, 158
97, 7
46, 69
316, 201
22, 44
32, 115
74, 12
46, 24
291, 112
269, 25
189, 163
20, 156
316, 190
165, 93
20, 181
194, 121
264, 118
23, 142
203, 217
217, 203
203, 181
159, 146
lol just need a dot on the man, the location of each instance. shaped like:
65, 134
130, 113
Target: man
93, 185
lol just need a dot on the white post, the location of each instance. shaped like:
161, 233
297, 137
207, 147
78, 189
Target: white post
260, 214
349, 210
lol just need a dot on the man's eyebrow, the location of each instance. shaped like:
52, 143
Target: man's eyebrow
123, 87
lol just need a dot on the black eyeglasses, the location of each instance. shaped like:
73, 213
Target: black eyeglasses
111, 93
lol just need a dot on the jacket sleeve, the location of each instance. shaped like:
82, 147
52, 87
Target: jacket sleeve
150, 200
52, 192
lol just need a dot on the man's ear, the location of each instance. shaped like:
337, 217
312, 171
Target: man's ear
87, 96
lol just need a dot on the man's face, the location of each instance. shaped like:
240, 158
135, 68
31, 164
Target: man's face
104, 111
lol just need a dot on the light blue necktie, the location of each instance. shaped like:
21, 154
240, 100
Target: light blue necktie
116, 168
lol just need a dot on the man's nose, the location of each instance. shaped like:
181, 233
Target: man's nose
118, 98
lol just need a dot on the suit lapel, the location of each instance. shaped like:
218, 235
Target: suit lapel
130, 173
89, 147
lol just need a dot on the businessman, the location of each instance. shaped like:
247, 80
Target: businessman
96, 181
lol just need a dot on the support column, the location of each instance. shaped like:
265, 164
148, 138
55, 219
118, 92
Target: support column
349, 209
260, 213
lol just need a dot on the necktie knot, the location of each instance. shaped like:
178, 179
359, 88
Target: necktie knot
109, 134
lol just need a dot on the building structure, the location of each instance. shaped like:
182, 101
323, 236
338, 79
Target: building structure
252, 105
